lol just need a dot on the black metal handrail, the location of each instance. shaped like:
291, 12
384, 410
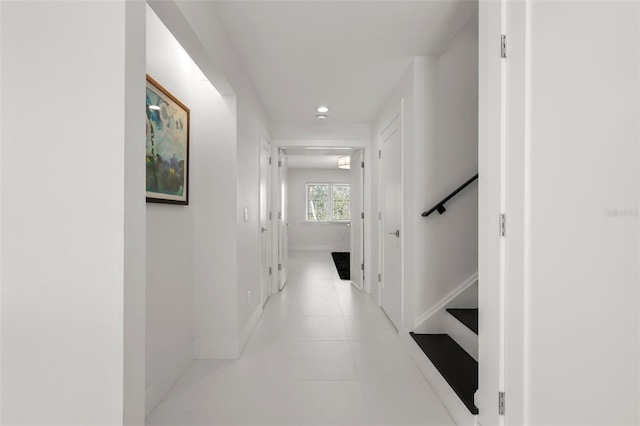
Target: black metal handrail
440, 206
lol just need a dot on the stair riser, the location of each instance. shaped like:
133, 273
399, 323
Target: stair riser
462, 335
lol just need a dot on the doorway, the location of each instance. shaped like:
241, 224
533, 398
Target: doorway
320, 206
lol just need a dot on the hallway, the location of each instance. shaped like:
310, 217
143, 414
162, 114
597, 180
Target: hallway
322, 353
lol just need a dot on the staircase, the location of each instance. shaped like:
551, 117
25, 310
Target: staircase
449, 360
452, 362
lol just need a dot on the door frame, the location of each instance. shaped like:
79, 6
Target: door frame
495, 163
392, 115
281, 223
365, 146
357, 221
267, 146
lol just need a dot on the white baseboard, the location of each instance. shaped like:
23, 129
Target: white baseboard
442, 304
227, 348
247, 330
454, 406
161, 385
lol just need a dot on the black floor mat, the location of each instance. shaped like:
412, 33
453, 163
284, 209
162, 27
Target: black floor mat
343, 264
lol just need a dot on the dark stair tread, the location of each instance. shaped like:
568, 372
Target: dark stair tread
468, 317
457, 367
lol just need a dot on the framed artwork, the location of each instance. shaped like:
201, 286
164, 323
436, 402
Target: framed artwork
167, 159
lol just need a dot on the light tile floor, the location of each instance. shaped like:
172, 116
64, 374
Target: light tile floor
323, 353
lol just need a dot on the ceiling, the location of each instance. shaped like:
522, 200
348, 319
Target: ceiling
347, 55
316, 157
312, 162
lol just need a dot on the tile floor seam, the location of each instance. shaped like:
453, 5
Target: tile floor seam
273, 367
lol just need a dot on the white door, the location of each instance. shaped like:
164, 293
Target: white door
560, 130
391, 230
265, 209
357, 221
282, 219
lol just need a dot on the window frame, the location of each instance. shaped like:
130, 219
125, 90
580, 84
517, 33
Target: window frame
330, 203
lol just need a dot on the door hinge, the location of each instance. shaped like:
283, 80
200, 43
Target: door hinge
503, 225
279, 266
279, 215
501, 403
379, 278
379, 153
362, 164
269, 215
503, 45
279, 163
362, 215
362, 266
269, 160
269, 270
379, 215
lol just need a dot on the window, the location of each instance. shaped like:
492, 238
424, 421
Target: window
327, 202
341, 201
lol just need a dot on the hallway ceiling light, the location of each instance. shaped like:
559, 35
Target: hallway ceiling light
321, 117
344, 162
323, 109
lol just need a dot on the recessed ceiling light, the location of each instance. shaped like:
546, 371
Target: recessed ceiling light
321, 117
154, 107
323, 109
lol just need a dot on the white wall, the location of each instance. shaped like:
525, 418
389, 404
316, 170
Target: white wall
439, 154
229, 251
67, 220
185, 268
135, 222
252, 127
169, 237
446, 246
305, 235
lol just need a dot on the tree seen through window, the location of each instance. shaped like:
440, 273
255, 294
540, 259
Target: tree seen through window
326, 202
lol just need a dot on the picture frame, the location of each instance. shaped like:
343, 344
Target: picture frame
167, 151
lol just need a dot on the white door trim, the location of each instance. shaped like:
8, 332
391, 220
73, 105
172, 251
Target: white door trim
265, 146
357, 222
491, 203
370, 276
515, 195
394, 118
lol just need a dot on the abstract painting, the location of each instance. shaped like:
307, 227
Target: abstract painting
167, 159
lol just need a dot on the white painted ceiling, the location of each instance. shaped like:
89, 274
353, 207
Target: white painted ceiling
344, 54
312, 161
316, 157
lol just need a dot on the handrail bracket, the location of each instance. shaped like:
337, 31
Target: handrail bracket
439, 207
